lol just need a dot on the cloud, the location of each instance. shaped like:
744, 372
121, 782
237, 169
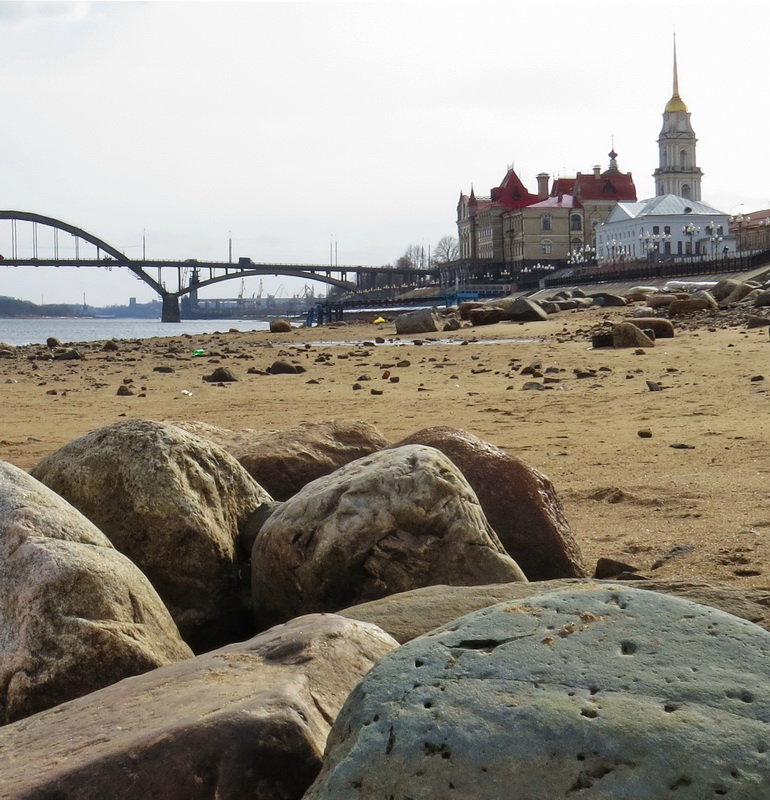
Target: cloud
41, 11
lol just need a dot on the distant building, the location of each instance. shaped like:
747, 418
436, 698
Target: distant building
663, 227
752, 231
516, 227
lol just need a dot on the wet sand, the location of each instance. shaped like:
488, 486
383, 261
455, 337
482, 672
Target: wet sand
629, 498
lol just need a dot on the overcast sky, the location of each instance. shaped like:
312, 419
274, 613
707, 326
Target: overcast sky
289, 123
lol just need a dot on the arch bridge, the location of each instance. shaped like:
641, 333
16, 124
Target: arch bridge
28, 248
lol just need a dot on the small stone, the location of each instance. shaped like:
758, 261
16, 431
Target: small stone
682, 446
653, 386
610, 568
644, 433
756, 378
124, 391
220, 375
375, 391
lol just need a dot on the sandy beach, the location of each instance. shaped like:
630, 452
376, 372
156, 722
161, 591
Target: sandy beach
691, 500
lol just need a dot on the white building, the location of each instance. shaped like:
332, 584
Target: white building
662, 228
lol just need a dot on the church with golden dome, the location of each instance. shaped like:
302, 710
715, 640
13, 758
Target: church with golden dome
678, 172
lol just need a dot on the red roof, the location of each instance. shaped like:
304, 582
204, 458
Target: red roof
512, 193
563, 186
610, 185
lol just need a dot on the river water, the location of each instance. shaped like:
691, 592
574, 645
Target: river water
36, 331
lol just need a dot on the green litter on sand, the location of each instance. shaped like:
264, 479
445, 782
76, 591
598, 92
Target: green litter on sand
199, 352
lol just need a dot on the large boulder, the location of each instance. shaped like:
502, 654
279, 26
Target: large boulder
423, 320
661, 327
519, 502
174, 504
600, 692
700, 301
284, 461
75, 614
407, 615
486, 315
522, 309
762, 299
385, 523
626, 334
246, 721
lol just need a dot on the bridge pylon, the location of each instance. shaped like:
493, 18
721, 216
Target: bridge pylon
170, 310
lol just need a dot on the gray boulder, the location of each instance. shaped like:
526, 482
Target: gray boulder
522, 309
661, 327
385, 523
424, 320
519, 502
174, 504
407, 615
247, 721
75, 615
602, 692
762, 299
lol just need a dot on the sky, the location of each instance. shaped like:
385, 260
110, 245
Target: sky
293, 128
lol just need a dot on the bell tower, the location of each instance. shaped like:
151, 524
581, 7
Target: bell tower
677, 172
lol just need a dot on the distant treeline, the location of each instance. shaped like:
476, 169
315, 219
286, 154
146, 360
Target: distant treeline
11, 307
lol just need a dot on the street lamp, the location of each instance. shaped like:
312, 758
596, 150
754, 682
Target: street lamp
690, 230
651, 242
715, 237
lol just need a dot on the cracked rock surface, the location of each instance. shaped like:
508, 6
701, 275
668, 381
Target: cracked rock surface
392, 521
589, 692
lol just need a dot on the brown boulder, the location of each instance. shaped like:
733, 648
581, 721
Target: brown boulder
520, 503
700, 303
173, 504
626, 334
464, 309
662, 328
246, 721
486, 315
75, 614
658, 300
280, 326
407, 615
285, 461
389, 522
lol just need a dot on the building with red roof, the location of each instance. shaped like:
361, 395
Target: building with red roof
514, 226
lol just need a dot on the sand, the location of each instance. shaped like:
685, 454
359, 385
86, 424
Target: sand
628, 498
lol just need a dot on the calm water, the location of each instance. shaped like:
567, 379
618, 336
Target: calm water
36, 331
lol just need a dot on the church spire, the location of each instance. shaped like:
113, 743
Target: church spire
676, 103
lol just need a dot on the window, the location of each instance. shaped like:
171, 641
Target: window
686, 192
683, 159
656, 228
545, 223
546, 245
679, 248
667, 248
576, 223
667, 229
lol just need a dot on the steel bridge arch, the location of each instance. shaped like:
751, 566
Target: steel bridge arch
51, 222
289, 273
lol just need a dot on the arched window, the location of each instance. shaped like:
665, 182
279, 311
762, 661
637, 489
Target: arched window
683, 159
545, 222
685, 190
575, 223
663, 159
546, 245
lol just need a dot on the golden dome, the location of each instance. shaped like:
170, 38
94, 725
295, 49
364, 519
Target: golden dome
676, 103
